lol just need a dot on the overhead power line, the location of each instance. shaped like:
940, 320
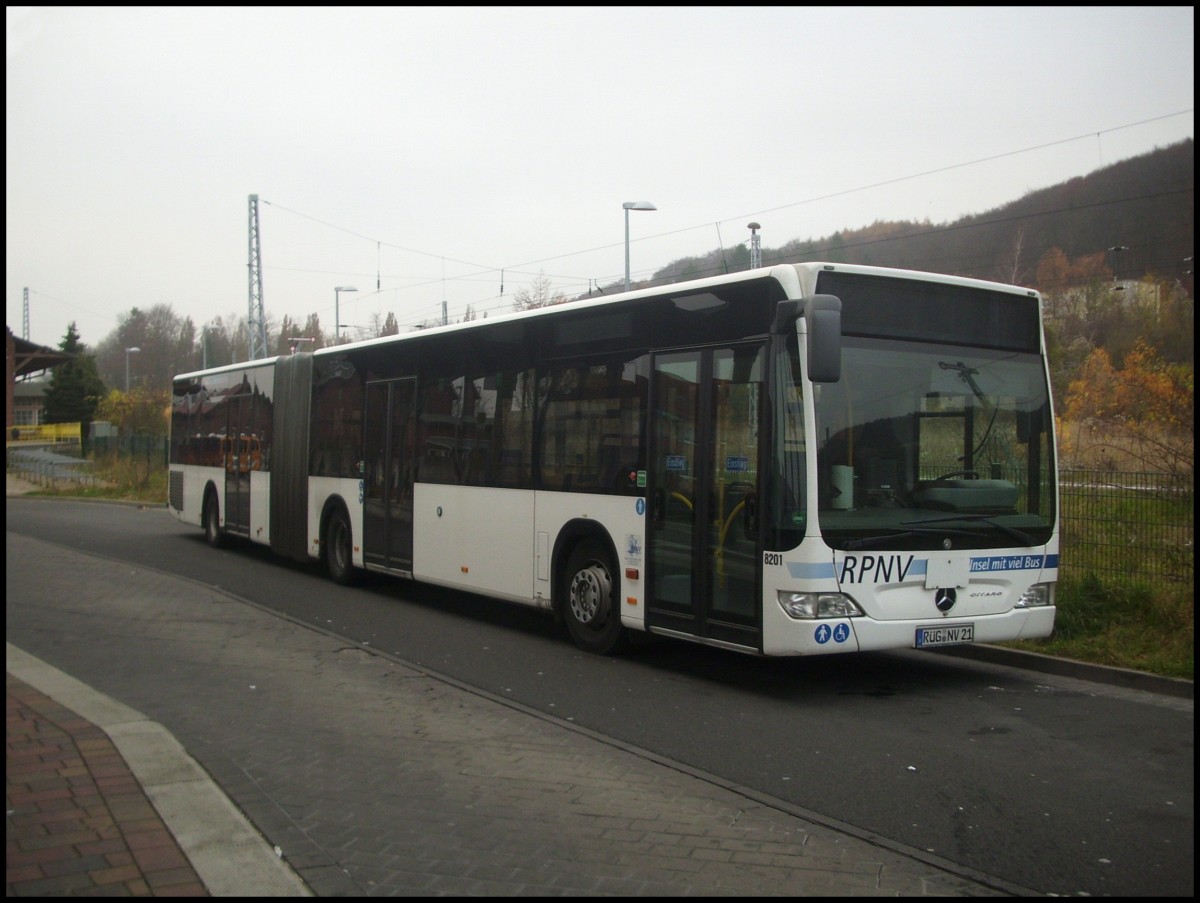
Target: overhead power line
485, 269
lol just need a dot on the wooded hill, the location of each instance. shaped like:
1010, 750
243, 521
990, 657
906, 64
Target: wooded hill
1145, 204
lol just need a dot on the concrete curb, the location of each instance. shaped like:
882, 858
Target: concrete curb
1065, 667
229, 855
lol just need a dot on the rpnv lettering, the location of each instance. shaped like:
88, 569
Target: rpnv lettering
875, 568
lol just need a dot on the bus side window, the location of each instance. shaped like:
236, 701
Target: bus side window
512, 439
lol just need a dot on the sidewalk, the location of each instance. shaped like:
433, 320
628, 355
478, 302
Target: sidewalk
117, 810
78, 820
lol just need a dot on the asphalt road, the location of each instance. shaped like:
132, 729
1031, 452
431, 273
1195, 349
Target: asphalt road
1053, 784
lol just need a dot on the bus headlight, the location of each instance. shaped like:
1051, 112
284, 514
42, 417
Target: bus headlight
818, 605
1037, 595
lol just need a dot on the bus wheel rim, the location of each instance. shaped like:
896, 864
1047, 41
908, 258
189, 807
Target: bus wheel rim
591, 589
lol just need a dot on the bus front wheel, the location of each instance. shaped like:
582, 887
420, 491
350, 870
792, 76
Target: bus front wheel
590, 601
339, 557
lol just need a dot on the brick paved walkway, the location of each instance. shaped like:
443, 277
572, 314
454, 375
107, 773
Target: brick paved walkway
78, 822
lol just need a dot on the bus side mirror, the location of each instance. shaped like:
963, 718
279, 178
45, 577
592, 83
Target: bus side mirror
823, 323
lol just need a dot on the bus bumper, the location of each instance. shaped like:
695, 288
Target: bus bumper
824, 637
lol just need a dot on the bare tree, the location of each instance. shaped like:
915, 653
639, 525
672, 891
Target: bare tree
1011, 266
540, 293
381, 325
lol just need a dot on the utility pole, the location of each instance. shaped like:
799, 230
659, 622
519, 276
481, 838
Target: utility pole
1115, 250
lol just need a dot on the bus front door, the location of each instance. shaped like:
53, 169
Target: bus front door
388, 474
703, 541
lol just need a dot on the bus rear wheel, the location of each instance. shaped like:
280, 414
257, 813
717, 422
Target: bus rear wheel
213, 533
590, 600
339, 556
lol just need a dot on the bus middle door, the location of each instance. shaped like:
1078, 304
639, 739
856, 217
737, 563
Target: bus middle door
388, 474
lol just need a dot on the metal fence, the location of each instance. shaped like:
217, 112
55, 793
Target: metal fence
152, 449
1128, 527
1123, 527
48, 468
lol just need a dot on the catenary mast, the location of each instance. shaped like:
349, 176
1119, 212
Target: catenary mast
257, 320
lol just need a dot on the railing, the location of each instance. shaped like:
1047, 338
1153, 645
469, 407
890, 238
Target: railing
47, 468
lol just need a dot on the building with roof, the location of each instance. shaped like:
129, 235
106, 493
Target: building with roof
25, 360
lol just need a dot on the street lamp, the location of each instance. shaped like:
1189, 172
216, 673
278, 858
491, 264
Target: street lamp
1116, 249
129, 351
337, 315
632, 205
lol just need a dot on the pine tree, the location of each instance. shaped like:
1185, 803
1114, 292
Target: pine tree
75, 385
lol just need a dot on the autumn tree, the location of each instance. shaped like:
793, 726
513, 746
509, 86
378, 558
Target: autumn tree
312, 329
141, 418
1144, 409
289, 331
186, 348
1163, 313
383, 325
218, 343
142, 411
165, 342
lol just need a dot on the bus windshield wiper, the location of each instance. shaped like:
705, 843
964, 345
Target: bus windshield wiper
1019, 535
870, 541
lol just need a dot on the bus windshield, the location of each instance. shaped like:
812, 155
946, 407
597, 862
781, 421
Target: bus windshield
923, 446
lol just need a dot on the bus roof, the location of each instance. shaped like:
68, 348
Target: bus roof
797, 279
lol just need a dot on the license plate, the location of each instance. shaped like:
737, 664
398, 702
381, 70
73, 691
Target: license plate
947, 635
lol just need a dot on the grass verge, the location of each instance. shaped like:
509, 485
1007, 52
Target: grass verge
1123, 626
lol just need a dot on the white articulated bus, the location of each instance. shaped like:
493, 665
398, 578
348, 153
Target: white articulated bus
794, 460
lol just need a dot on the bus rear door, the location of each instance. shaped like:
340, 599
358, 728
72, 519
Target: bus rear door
237, 464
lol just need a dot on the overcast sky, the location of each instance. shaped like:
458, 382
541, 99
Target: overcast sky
424, 155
